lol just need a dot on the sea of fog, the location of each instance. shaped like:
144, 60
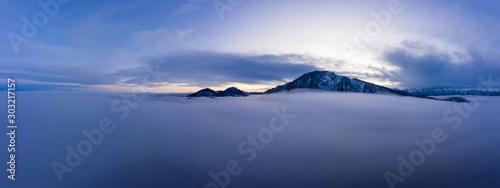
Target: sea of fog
299, 139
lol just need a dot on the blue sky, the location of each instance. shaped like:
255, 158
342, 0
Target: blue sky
96, 45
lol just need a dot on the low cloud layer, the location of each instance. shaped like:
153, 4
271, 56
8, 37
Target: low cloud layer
204, 68
194, 68
334, 140
425, 66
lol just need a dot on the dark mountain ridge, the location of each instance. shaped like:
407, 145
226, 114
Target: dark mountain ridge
322, 80
229, 92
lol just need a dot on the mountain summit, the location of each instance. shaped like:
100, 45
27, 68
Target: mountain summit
329, 81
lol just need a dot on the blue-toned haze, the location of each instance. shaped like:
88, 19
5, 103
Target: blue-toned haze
107, 45
94, 83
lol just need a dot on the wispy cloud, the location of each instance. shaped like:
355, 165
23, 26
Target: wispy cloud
161, 35
189, 6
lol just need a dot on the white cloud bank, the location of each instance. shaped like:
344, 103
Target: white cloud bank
335, 140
